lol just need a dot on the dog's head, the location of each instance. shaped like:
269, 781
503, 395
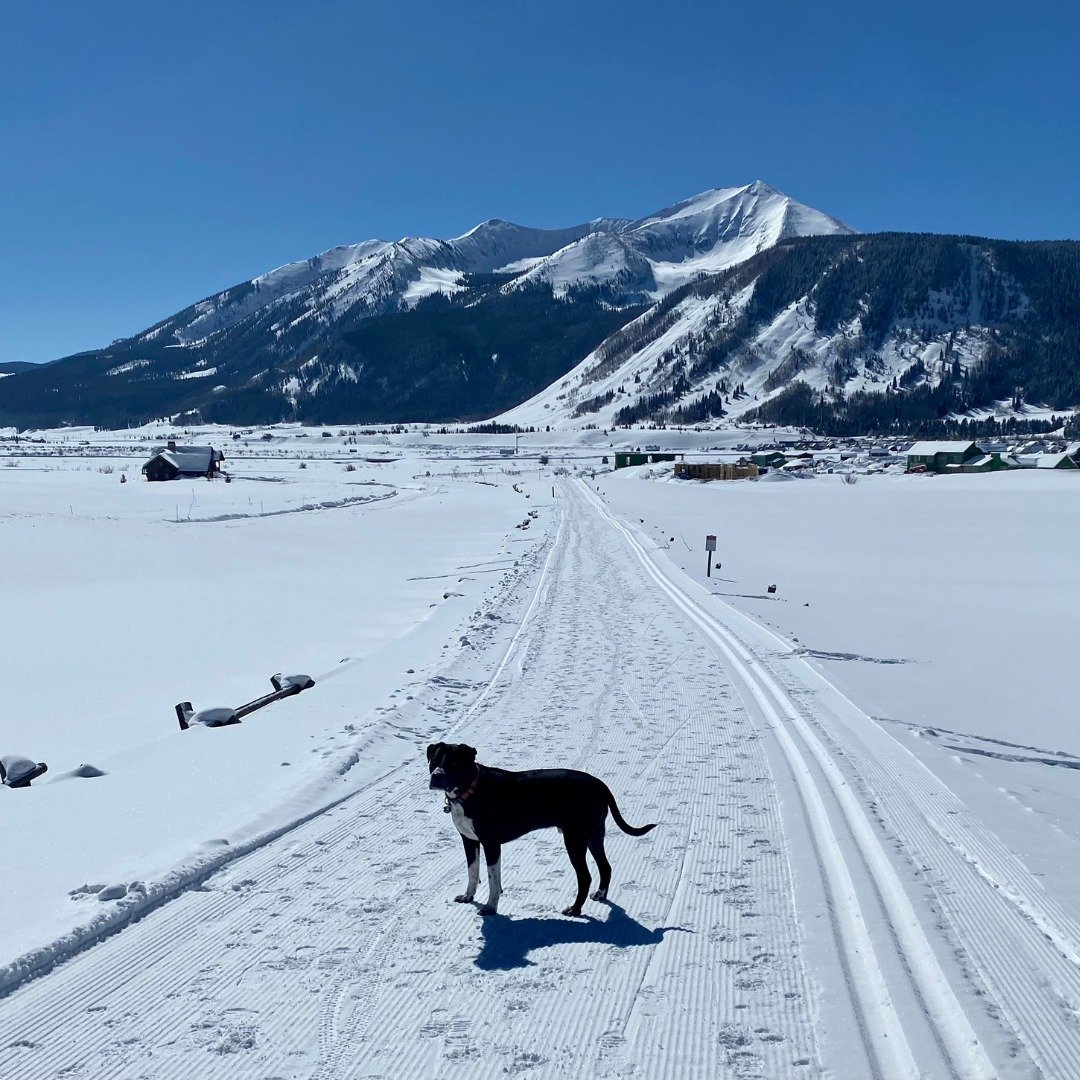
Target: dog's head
452, 766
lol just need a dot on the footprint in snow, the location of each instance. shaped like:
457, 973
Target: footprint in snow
234, 1040
523, 1060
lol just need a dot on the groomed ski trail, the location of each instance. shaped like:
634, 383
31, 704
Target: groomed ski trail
336, 950
979, 941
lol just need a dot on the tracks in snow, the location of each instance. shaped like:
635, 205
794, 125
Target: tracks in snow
890, 1052
336, 951
979, 942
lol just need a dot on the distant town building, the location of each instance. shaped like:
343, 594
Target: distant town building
1030, 449
702, 470
937, 456
993, 462
1056, 461
768, 459
624, 459
174, 462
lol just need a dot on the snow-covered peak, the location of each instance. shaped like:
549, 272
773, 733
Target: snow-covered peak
722, 215
634, 260
701, 235
219, 312
703, 204
598, 259
495, 244
336, 258
721, 227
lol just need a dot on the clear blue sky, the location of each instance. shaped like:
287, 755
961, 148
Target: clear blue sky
152, 153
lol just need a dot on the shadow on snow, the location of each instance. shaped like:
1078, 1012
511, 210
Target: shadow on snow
507, 942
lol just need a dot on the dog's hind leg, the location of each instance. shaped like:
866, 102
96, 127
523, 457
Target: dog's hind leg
493, 857
472, 854
576, 846
596, 847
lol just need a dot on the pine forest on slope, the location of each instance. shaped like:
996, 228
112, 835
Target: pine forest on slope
847, 335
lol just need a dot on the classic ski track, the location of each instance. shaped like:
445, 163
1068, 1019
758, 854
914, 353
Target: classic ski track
334, 951
952, 1028
1019, 946
1022, 945
620, 1054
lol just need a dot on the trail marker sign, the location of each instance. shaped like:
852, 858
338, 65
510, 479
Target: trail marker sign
710, 547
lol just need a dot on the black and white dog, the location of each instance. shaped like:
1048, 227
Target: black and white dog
491, 807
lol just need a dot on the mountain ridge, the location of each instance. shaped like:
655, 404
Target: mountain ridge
738, 304
858, 334
290, 343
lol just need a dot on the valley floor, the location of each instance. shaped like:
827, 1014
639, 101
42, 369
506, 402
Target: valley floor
815, 901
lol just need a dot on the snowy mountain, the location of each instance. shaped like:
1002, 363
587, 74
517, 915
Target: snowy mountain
648, 258
638, 260
843, 333
370, 278
414, 329
737, 303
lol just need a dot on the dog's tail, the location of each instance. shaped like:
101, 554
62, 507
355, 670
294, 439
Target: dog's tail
618, 818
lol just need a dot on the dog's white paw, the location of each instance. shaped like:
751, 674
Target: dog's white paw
600, 894
463, 898
571, 910
485, 910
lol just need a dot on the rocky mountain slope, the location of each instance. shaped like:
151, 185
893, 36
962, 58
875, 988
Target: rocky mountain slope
843, 333
417, 329
737, 303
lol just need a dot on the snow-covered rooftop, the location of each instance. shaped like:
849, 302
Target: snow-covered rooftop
1050, 461
928, 449
187, 459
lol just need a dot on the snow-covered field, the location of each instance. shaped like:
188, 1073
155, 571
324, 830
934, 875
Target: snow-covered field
863, 781
128, 598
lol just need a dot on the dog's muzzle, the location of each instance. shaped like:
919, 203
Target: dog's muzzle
438, 780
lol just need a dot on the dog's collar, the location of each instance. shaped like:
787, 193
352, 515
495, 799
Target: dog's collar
464, 795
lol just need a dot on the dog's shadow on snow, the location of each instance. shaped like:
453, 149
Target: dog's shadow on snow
507, 942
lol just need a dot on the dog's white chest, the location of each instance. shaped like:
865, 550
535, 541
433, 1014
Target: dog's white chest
462, 821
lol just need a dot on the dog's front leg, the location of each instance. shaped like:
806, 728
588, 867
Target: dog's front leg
493, 857
472, 855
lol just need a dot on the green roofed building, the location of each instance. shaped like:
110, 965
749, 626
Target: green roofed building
995, 461
768, 459
624, 459
937, 456
1055, 461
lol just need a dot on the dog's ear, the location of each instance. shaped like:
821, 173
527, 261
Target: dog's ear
469, 751
431, 749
